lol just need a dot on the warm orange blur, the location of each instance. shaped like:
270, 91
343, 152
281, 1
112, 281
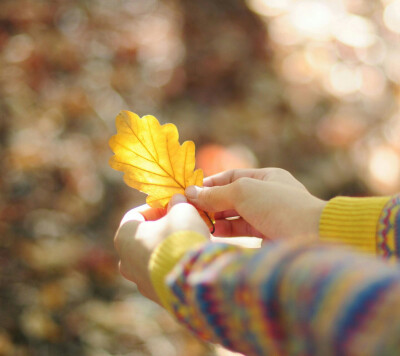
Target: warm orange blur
312, 86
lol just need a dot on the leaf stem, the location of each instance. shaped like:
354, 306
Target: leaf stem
211, 221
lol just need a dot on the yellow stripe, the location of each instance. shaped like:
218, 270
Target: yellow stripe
352, 221
165, 257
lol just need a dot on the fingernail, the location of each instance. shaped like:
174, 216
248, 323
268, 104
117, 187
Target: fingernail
176, 199
192, 191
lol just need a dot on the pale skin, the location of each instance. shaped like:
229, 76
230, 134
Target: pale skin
268, 203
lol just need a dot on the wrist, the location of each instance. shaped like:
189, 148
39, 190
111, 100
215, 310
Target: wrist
166, 255
315, 217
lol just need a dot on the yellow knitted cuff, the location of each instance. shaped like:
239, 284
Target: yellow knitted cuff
165, 257
352, 221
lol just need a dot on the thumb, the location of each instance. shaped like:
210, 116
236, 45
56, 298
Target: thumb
211, 199
125, 234
176, 199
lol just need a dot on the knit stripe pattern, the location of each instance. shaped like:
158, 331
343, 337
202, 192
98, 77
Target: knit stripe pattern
352, 222
388, 232
288, 298
164, 258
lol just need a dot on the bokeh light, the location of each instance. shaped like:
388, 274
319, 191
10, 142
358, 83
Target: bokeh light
355, 31
348, 50
391, 16
384, 168
312, 86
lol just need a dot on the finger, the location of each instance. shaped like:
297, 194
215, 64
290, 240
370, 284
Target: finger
134, 214
125, 272
124, 234
226, 214
122, 270
280, 175
230, 176
153, 214
265, 174
143, 213
212, 199
185, 216
176, 199
235, 228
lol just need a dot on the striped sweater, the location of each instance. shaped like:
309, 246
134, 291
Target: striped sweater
340, 296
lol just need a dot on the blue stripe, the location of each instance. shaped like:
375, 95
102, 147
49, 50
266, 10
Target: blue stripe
356, 310
323, 285
270, 286
397, 233
250, 334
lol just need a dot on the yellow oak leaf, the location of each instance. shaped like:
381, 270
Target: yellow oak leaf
152, 159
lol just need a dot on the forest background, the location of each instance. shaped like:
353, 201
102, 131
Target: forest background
309, 86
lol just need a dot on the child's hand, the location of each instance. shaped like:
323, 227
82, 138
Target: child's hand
270, 202
143, 228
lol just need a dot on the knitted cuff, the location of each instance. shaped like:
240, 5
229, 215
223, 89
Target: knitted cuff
352, 221
166, 255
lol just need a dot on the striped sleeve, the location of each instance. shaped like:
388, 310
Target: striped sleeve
286, 299
369, 225
388, 230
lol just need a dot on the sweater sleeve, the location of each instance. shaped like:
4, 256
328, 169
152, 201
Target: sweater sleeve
369, 225
282, 299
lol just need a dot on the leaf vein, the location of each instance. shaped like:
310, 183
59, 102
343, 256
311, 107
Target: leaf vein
134, 152
184, 165
152, 141
143, 169
158, 199
170, 162
172, 176
160, 185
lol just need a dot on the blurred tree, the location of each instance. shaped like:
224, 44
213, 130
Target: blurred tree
221, 39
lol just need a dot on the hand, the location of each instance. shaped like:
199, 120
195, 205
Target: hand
140, 232
269, 203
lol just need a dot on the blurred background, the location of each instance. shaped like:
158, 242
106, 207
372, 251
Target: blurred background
311, 86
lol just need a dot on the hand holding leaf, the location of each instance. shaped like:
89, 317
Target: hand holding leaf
152, 159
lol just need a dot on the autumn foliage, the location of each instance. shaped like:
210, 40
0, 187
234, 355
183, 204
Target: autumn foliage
152, 159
